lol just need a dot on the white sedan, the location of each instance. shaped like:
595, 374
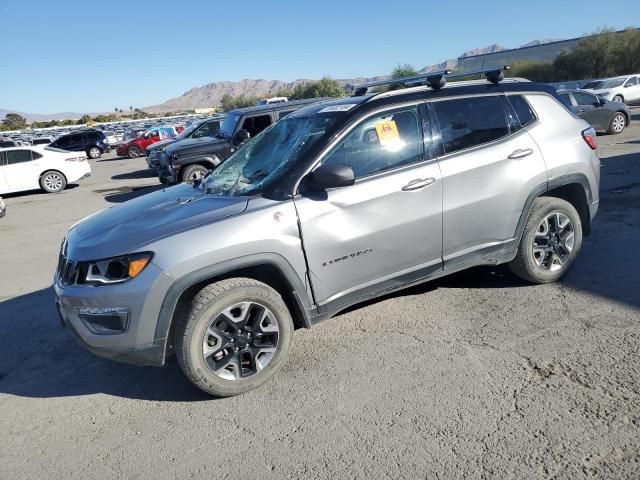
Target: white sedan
30, 168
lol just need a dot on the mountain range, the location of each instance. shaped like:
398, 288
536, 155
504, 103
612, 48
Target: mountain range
209, 95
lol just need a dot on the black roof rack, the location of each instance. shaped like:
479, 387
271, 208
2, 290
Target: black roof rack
434, 80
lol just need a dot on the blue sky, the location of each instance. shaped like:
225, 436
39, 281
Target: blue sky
89, 56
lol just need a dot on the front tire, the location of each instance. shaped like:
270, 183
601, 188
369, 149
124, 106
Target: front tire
134, 152
617, 124
53, 181
235, 337
618, 98
550, 242
94, 152
193, 173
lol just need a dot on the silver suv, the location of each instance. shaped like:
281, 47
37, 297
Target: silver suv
339, 202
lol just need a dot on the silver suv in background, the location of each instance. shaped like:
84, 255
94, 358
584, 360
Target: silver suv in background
339, 202
618, 89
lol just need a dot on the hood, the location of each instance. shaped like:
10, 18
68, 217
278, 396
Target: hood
196, 145
601, 91
161, 143
127, 227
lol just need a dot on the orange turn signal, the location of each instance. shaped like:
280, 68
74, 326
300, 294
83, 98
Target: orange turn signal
136, 266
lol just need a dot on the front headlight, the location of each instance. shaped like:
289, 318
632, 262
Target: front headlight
114, 270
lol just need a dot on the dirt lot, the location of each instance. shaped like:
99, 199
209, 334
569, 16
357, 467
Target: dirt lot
474, 376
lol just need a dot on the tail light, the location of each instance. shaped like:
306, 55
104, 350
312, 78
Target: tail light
589, 136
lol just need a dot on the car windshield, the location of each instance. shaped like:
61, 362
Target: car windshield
611, 83
228, 125
269, 156
591, 85
189, 130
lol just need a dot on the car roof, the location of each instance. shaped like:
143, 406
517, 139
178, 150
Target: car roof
275, 106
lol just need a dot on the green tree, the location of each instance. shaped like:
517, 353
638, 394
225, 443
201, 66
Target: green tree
14, 121
403, 71
229, 102
325, 87
83, 120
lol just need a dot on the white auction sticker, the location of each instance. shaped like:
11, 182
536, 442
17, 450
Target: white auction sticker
338, 108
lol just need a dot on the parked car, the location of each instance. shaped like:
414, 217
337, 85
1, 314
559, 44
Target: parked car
190, 159
602, 114
204, 128
338, 203
137, 146
591, 84
110, 137
30, 168
3, 208
91, 142
9, 143
619, 89
41, 141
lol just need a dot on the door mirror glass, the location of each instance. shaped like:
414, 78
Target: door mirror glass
602, 102
331, 175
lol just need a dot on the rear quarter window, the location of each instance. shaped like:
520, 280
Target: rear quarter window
523, 110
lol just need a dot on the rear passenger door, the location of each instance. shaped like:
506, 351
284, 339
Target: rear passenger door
588, 107
22, 169
490, 165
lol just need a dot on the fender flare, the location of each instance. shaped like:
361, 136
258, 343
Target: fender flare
170, 302
211, 160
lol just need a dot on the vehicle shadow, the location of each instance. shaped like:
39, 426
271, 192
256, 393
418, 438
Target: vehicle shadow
28, 193
145, 173
40, 358
122, 194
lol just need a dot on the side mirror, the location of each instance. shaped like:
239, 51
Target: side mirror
241, 136
601, 101
331, 176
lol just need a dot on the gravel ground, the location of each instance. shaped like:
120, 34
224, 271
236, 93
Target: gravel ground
477, 375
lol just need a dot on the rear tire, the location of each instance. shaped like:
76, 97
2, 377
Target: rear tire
53, 181
550, 242
193, 172
94, 152
134, 152
618, 98
617, 124
235, 337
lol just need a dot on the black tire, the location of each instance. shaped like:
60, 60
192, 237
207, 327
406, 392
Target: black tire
525, 265
94, 152
617, 124
134, 151
206, 307
53, 181
193, 172
618, 98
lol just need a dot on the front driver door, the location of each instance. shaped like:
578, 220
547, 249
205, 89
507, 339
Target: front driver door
632, 89
588, 107
386, 229
22, 169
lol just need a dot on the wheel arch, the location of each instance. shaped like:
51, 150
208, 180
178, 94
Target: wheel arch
209, 161
52, 170
271, 269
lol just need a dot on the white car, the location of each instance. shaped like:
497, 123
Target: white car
619, 89
30, 168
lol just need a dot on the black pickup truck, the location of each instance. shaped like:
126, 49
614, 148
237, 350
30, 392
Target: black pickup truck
189, 159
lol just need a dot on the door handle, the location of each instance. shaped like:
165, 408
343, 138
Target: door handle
418, 183
582, 110
520, 153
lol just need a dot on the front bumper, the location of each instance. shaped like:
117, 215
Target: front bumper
142, 297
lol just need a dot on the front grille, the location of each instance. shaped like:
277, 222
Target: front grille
67, 271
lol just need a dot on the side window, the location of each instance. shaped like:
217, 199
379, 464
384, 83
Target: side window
284, 113
632, 81
35, 155
254, 125
468, 122
523, 110
584, 98
1, 159
77, 138
566, 98
18, 156
92, 135
380, 143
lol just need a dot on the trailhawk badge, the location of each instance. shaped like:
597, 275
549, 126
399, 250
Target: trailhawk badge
347, 257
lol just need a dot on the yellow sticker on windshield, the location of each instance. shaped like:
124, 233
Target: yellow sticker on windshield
387, 132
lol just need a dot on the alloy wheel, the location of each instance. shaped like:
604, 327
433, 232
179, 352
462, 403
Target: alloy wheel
53, 182
618, 123
94, 152
240, 341
195, 175
553, 241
